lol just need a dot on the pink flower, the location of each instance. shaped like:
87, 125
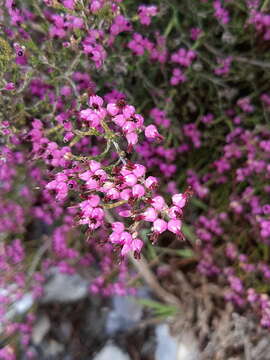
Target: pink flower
128, 111
159, 226
136, 245
175, 226
145, 14
126, 194
60, 186
129, 127
179, 200
184, 57
177, 77
195, 33
120, 24
7, 353
150, 214
91, 116
126, 237
69, 4
118, 227
95, 6
138, 191
221, 14
151, 182
245, 105
112, 194
158, 203
94, 200
151, 132
86, 208
132, 138
112, 109
130, 244
130, 179
175, 212
119, 120
139, 170
95, 177
115, 238
95, 101
10, 86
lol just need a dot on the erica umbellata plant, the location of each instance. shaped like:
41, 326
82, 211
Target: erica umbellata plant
112, 114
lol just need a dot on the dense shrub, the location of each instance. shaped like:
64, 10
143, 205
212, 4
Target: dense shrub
112, 115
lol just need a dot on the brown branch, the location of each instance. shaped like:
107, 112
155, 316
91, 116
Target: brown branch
150, 279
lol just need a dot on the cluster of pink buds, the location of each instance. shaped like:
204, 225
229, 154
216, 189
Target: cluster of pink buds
195, 33
102, 188
60, 186
184, 57
140, 44
128, 242
96, 5
120, 25
128, 120
120, 114
93, 115
221, 13
160, 117
178, 77
164, 217
245, 105
91, 213
92, 46
155, 214
224, 66
128, 189
145, 14
261, 22
266, 100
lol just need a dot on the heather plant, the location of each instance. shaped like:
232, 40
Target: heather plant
113, 115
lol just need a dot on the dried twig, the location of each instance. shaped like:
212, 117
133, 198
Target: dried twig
143, 269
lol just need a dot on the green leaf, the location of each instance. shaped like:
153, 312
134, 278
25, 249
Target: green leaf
198, 203
188, 232
185, 253
158, 308
151, 251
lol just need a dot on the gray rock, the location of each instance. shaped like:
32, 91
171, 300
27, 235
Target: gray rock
53, 348
66, 330
111, 352
18, 307
187, 348
166, 344
21, 306
125, 314
184, 347
40, 329
64, 288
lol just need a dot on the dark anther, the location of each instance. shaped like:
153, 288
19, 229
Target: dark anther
121, 102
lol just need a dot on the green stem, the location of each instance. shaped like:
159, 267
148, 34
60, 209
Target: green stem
89, 132
264, 5
114, 205
87, 158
